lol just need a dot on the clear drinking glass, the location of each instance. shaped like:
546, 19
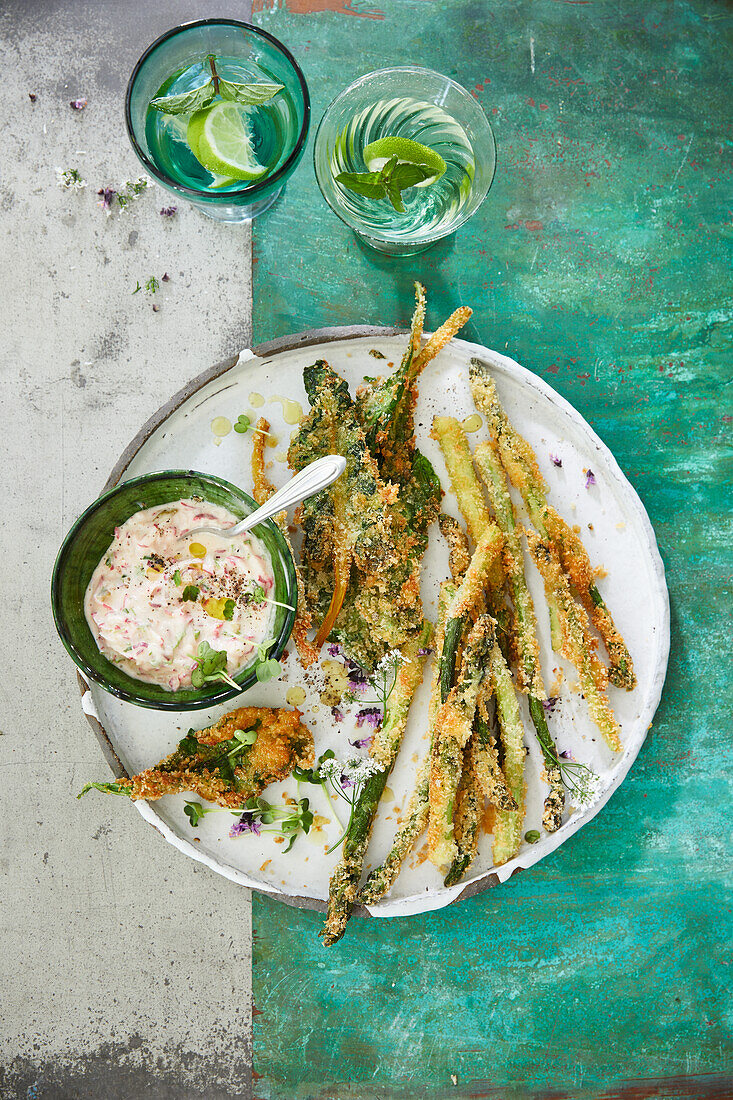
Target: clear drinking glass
176, 63
423, 106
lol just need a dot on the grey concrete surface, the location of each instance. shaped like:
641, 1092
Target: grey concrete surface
124, 968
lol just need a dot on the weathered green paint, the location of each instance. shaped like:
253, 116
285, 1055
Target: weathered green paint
599, 260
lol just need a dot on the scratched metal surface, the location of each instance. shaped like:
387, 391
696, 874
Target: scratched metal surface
599, 261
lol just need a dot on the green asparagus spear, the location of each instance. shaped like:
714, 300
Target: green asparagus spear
508, 824
344, 883
529, 673
521, 464
382, 878
576, 644
453, 728
488, 768
467, 818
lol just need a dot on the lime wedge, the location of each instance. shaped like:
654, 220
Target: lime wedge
377, 153
220, 138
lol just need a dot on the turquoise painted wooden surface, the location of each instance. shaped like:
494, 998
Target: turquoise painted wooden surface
599, 261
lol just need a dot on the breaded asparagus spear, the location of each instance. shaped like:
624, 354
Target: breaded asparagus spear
344, 884
521, 464
382, 878
488, 768
453, 728
508, 823
529, 672
467, 818
576, 643
451, 437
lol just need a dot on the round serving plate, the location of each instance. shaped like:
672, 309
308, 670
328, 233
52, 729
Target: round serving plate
615, 528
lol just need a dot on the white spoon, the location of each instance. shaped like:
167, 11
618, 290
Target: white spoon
316, 476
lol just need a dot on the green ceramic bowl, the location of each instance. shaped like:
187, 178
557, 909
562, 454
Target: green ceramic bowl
82, 551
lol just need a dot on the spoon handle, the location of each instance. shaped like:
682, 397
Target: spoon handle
316, 476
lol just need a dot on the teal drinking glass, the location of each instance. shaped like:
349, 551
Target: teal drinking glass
276, 130
418, 105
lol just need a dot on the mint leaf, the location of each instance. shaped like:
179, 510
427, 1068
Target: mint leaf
249, 94
228, 611
187, 102
368, 184
177, 578
407, 175
389, 183
190, 592
395, 197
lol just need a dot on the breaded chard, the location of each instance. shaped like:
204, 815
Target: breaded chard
220, 764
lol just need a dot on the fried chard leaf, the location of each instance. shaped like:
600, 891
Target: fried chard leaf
347, 526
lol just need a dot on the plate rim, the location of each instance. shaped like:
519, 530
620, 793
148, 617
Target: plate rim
413, 905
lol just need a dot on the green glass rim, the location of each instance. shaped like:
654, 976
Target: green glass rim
253, 188
418, 70
247, 677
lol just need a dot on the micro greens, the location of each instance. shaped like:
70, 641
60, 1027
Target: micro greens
244, 423
256, 812
211, 666
532, 836
388, 183
228, 609
152, 285
177, 578
107, 788
187, 102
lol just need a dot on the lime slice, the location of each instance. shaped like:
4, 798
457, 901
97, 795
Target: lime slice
193, 137
221, 140
377, 153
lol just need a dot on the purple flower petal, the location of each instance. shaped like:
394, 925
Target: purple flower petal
567, 755
590, 478
424, 652
556, 460
345, 782
107, 195
550, 704
169, 211
333, 650
337, 714
357, 675
78, 104
32, 96
246, 824
363, 742
155, 309
165, 277
371, 715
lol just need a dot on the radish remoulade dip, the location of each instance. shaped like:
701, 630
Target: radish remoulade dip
157, 595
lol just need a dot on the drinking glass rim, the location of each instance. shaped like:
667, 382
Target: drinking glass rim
383, 72
183, 188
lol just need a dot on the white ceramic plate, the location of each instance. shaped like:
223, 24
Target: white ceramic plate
615, 529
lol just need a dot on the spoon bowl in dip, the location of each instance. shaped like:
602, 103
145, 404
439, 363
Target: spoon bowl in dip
309, 481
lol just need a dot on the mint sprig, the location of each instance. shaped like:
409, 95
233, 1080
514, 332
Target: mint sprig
251, 95
389, 183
